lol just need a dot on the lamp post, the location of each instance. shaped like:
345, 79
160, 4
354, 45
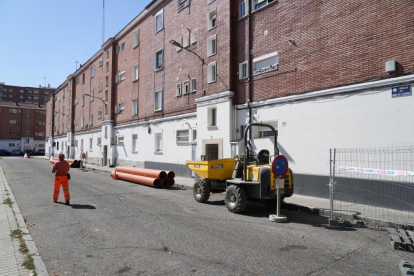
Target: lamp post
176, 44
102, 100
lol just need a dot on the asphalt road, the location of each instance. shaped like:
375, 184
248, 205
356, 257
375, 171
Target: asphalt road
122, 228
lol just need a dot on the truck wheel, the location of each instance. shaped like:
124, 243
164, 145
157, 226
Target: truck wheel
201, 190
236, 199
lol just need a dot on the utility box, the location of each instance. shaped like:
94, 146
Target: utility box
390, 66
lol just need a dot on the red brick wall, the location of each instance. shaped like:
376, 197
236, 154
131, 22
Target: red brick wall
336, 43
14, 95
26, 127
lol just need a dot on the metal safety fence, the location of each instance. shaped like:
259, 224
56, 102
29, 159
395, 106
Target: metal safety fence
373, 188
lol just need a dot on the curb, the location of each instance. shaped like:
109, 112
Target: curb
40, 267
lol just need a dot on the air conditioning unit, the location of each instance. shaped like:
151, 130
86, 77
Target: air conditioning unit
120, 139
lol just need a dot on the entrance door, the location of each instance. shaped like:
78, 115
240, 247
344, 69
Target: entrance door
105, 156
212, 152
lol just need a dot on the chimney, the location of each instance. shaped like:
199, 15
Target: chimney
48, 85
40, 85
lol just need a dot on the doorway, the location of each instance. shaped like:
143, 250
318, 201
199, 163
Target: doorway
105, 156
212, 149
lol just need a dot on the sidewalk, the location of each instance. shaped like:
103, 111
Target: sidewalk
373, 215
11, 259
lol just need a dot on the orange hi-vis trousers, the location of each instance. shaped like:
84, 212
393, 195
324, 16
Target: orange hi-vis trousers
61, 180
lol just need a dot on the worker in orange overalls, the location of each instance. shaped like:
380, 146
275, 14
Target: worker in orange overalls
61, 170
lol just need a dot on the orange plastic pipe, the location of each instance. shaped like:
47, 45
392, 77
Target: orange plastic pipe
114, 175
149, 181
143, 172
170, 174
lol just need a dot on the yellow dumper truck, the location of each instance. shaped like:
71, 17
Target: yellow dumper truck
248, 178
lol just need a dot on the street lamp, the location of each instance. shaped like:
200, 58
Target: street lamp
176, 44
102, 100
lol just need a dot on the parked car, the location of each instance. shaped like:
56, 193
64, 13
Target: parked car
4, 152
16, 152
40, 152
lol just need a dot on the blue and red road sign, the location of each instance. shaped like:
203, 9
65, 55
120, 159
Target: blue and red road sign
280, 166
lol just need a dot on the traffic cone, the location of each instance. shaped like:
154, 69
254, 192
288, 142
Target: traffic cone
28, 156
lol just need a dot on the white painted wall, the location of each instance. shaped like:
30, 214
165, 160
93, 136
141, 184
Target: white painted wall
371, 118
5, 144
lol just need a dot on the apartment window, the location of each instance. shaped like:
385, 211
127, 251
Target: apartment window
91, 95
182, 4
193, 36
99, 141
212, 72
186, 40
134, 143
134, 107
212, 19
10, 90
28, 116
107, 54
12, 144
242, 9
159, 21
75, 122
158, 59
243, 70
82, 122
122, 76
106, 94
106, 132
10, 96
83, 100
100, 63
158, 143
107, 66
123, 45
99, 114
83, 78
183, 136
194, 134
57, 145
135, 72
135, 42
77, 82
265, 63
37, 97
178, 89
186, 87
90, 119
212, 117
30, 91
158, 101
179, 41
106, 108
265, 131
92, 71
28, 122
90, 143
27, 132
36, 92
75, 101
21, 97
120, 108
193, 85
15, 111
106, 81
13, 122
212, 45
21, 91
257, 4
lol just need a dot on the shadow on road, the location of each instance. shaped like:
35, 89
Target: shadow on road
78, 206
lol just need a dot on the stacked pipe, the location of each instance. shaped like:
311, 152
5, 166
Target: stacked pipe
73, 163
149, 177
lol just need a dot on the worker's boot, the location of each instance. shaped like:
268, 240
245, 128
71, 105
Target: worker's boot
67, 202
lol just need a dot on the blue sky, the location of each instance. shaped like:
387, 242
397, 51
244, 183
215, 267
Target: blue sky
47, 37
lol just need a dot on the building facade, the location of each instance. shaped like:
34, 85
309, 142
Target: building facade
28, 95
325, 75
22, 127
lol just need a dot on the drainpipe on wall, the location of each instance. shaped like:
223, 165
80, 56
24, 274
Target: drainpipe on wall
249, 37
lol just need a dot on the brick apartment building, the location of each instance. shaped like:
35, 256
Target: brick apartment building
22, 126
29, 95
325, 74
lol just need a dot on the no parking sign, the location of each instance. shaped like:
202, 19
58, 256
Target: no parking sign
280, 166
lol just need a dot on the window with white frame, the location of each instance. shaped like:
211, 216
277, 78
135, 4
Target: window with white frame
257, 4
123, 46
265, 63
107, 69
121, 108
83, 100
182, 4
158, 59
193, 36
134, 107
158, 101
212, 19
135, 42
90, 119
135, 72
92, 71
159, 21
263, 132
243, 9
186, 40
106, 108
178, 89
193, 85
91, 95
186, 87
106, 94
100, 63
122, 76
212, 116
212, 72
134, 143
179, 41
243, 70
99, 115
90, 143
158, 143
82, 122
212, 45
183, 136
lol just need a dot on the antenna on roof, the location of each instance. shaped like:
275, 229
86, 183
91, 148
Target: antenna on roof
45, 79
